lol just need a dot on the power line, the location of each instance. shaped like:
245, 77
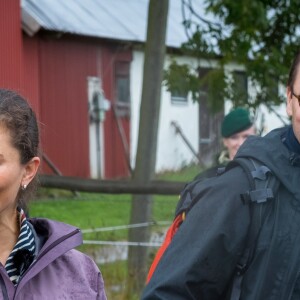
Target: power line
121, 243
137, 225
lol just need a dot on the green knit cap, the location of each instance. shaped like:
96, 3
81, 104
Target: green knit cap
236, 121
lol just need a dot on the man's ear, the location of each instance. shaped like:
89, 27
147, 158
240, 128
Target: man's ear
31, 169
289, 96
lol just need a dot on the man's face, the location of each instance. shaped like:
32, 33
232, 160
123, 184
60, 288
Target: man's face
293, 106
234, 142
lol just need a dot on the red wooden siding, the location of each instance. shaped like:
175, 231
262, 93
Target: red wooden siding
115, 164
11, 45
64, 67
31, 72
51, 72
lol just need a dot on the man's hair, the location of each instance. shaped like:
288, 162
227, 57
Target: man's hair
293, 71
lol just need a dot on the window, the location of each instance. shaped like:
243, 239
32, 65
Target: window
178, 97
122, 83
122, 88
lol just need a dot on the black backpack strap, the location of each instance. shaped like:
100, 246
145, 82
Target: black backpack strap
185, 198
266, 184
263, 187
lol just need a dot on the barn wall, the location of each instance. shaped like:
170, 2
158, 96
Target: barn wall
115, 158
65, 65
11, 45
31, 77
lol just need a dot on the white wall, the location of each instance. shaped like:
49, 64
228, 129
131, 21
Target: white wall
274, 118
172, 152
266, 119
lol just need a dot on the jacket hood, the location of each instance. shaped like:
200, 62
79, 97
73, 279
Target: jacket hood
52, 232
53, 239
271, 151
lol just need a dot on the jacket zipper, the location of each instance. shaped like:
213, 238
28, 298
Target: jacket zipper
38, 258
65, 237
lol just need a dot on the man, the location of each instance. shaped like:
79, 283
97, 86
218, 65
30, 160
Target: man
201, 260
236, 127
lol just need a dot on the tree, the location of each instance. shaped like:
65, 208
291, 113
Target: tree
141, 210
260, 35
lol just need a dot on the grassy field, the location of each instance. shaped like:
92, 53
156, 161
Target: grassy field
89, 210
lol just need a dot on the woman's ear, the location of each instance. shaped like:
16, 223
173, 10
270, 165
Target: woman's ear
31, 169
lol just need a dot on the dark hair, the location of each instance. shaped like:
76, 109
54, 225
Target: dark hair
19, 118
293, 71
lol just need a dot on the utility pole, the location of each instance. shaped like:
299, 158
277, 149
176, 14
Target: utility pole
144, 171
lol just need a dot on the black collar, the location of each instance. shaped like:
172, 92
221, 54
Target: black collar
290, 141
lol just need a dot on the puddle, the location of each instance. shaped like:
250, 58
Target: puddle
111, 253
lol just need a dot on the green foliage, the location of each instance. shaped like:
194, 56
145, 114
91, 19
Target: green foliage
181, 78
216, 83
260, 35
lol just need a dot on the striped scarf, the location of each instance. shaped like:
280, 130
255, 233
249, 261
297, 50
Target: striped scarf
23, 252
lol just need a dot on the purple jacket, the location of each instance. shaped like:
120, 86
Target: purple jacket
58, 270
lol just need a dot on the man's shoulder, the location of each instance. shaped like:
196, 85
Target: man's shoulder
210, 172
231, 182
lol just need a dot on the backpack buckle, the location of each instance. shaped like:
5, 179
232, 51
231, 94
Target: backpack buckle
258, 196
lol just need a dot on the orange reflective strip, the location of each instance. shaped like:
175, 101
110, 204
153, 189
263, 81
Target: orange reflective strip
169, 236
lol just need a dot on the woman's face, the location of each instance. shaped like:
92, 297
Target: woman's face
234, 142
12, 172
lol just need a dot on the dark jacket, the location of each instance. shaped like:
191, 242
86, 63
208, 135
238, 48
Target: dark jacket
58, 271
201, 259
221, 162
210, 172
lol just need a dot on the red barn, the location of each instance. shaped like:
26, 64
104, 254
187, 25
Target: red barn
79, 87
80, 64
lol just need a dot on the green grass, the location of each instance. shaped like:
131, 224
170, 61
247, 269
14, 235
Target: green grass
114, 274
87, 210
186, 174
90, 210
99, 210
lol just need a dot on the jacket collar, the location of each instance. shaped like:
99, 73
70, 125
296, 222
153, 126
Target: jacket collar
53, 239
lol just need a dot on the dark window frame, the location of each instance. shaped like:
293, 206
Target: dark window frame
122, 75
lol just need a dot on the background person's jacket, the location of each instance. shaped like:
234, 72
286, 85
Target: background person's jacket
221, 162
58, 270
201, 260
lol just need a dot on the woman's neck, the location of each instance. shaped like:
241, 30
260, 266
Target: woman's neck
9, 233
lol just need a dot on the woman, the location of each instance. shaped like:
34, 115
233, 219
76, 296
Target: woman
38, 259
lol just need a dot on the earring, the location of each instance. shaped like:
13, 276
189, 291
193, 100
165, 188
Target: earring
23, 187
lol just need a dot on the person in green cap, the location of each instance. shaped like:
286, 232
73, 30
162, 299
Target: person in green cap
236, 127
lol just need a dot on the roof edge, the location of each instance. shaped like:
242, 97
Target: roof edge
29, 24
